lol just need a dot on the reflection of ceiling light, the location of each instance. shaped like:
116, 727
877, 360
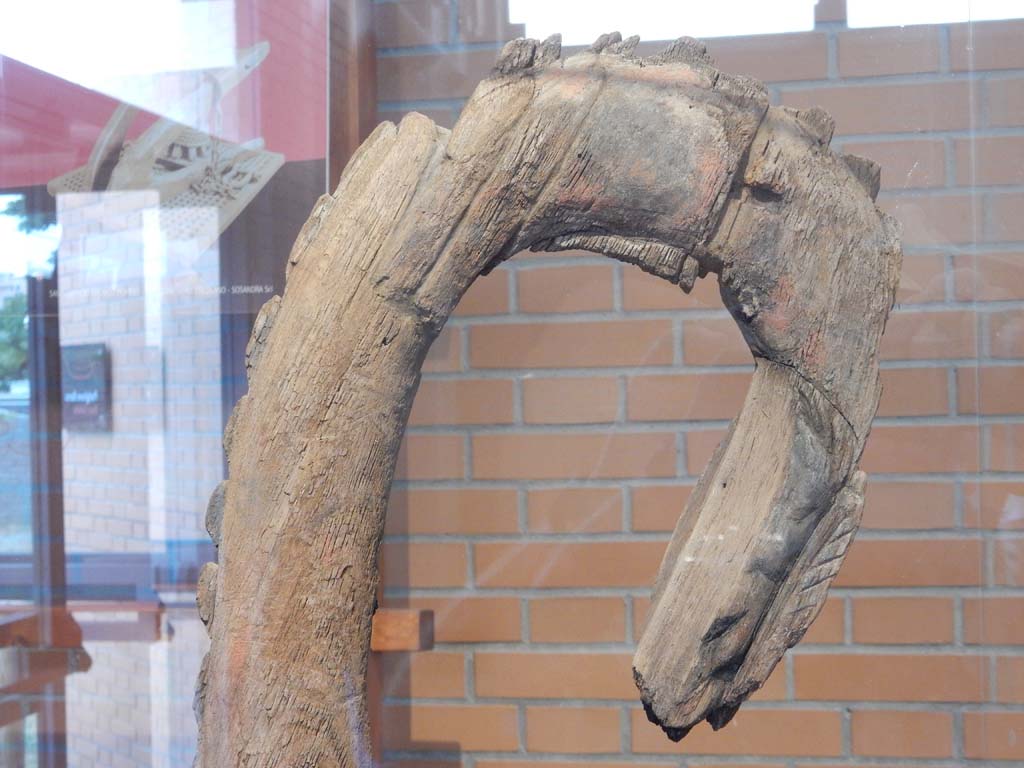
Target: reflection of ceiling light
136, 51
885, 13
581, 21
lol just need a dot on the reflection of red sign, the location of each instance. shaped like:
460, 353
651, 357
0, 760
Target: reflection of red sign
53, 123
85, 387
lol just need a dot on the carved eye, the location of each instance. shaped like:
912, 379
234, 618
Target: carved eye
721, 625
765, 194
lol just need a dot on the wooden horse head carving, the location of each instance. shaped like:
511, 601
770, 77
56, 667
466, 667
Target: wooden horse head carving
663, 162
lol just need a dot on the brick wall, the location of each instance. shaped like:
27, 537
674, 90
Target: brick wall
571, 403
133, 709
154, 302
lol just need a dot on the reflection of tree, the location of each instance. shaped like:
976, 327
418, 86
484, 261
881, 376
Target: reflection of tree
31, 220
13, 340
32, 217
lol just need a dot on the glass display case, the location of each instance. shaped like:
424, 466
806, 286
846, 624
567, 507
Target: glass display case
158, 160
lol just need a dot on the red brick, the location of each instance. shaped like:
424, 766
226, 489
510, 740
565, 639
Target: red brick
929, 335
780, 57
921, 449
449, 75
641, 291
986, 45
540, 762
1008, 562
488, 295
907, 164
408, 564
936, 220
1006, 448
435, 675
463, 511
572, 345
1010, 679
547, 456
887, 108
641, 605
892, 733
773, 732
1005, 217
990, 390
575, 510
445, 353
993, 505
994, 620
830, 625
686, 396
469, 619
555, 675
993, 735
912, 563
590, 400
578, 620
406, 763
431, 457
1005, 100
658, 507
774, 688
700, 445
989, 276
570, 564
403, 24
870, 677
580, 730
463, 401
566, 289
899, 620
888, 51
714, 341
485, 21
923, 279
914, 392
989, 160
1006, 334
451, 728
908, 506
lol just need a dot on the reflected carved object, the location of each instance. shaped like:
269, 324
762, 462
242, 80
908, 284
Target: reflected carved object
662, 162
193, 171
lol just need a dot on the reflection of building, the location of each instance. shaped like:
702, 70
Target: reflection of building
134, 708
168, 287
155, 304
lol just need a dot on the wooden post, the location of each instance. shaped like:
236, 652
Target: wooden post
663, 162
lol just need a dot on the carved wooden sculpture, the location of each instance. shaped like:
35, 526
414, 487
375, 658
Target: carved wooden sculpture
662, 162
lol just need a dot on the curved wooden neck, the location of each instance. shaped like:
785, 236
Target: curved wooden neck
547, 154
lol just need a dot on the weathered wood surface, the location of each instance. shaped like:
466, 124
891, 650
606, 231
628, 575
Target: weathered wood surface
662, 162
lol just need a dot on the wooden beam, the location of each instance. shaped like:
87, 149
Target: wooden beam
59, 627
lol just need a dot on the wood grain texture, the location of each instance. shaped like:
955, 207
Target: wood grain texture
662, 162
